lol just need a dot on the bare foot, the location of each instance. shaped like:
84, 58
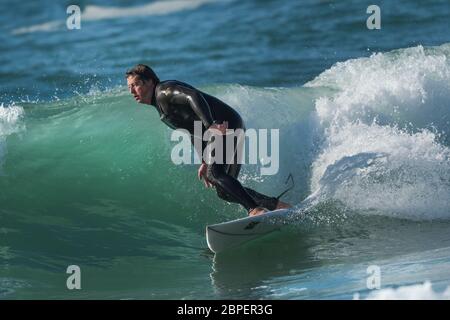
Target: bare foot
257, 211
282, 205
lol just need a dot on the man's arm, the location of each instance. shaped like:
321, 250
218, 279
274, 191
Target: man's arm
182, 94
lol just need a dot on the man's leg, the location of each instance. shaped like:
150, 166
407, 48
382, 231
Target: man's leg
229, 188
224, 178
262, 200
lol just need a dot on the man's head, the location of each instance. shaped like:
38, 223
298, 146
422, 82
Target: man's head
141, 80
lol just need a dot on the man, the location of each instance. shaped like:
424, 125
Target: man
179, 105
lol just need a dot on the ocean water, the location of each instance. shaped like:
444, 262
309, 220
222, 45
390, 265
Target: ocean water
86, 177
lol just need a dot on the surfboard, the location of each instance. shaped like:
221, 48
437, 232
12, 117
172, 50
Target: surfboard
227, 235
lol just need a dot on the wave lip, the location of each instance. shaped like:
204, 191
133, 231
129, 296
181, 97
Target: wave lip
405, 85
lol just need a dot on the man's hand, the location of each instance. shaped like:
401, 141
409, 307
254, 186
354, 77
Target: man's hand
222, 128
202, 175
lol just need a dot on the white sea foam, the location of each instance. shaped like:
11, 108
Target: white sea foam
413, 292
155, 8
382, 168
379, 153
9, 124
43, 27
9, 118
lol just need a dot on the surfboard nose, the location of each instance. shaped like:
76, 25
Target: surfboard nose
219, 241
227, 235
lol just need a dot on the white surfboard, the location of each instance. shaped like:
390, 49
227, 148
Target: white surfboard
230, 234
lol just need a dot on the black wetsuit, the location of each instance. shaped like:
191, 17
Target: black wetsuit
179, 105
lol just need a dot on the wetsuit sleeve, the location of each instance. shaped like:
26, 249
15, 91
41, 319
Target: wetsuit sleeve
196, 101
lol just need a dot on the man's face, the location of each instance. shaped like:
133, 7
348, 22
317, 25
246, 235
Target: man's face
141, 90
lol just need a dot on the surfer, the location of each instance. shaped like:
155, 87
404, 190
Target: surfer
179, 105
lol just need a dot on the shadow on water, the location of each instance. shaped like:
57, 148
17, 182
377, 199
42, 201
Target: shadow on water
243, 271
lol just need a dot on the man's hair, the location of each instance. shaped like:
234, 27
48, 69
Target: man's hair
143, 72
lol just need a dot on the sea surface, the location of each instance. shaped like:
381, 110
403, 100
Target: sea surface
86, 176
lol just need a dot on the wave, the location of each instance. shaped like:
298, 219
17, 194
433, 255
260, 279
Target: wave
385, 130
375, 155
95, 13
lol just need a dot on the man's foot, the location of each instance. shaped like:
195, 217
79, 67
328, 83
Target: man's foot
257, 211
282, 205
